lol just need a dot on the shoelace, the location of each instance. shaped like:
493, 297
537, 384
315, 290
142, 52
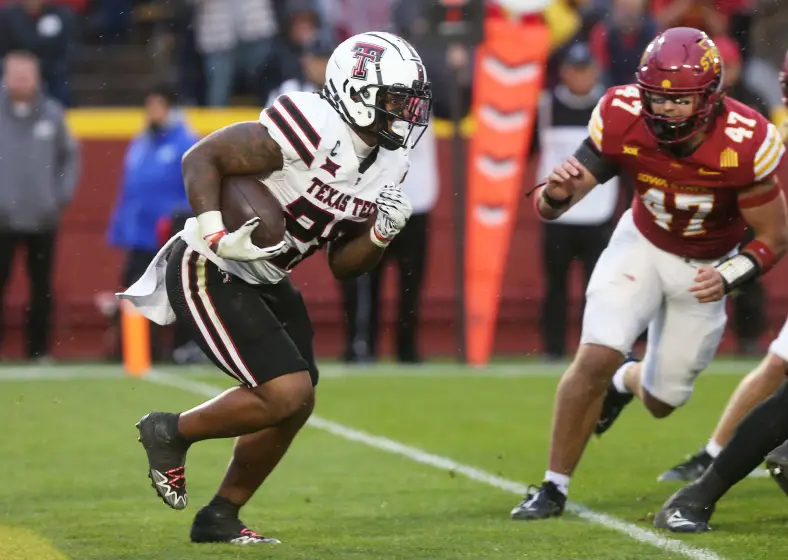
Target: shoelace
249, 533
176, 477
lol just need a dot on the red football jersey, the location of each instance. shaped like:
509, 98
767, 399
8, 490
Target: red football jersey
687, 206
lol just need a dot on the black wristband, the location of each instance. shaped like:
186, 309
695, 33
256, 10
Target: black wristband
738, 270
555, 203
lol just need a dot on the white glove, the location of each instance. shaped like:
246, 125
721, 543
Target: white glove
236, 245
394, 210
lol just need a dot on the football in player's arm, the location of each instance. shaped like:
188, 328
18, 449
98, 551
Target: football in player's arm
762, 206
247, 149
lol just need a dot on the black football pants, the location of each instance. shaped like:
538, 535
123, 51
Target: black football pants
40, 253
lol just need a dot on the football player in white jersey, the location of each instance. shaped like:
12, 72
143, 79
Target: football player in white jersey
332, 159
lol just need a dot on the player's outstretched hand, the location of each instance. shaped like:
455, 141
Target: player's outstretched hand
709, 285
394, 210
238, 246
560, 183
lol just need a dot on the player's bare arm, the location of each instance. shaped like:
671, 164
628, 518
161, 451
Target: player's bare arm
239, 149
571, 181
763, 207
354, 253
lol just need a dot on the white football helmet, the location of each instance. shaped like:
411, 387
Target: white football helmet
378, 77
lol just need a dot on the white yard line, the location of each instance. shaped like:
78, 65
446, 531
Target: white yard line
445, 463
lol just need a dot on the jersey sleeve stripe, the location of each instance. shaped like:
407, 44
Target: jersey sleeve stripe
771, 164
767, 148
298, 145
299, 118
595, 129
596, 137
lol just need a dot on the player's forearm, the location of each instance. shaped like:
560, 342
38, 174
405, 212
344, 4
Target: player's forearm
550, 210
354, 258
768, 248
755, 259
769, 220
545, 211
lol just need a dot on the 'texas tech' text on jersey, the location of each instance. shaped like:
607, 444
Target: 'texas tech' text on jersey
321, 186
688, 206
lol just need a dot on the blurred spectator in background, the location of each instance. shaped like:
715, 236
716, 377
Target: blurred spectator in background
302, 27
712, 16
188, 68
232, 35
48, 30
582, 233
39, 170
151, 193
350, 17
618, 41
314, 60
450, 69
361, 297
748, 302
113, 19
734, 86
152, 184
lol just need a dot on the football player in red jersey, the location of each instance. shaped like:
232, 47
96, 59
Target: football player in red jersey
754, 423
703, 167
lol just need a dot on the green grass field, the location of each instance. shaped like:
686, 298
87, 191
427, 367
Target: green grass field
399, 464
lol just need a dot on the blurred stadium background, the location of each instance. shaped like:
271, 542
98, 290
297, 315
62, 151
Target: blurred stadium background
109, 53
119, 67
106, 55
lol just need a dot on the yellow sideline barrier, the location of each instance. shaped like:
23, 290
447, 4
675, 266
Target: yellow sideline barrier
123, 123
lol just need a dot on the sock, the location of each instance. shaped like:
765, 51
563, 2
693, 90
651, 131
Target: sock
713, 448
172, 428
763, 429
618, 379
224, 507
560, 480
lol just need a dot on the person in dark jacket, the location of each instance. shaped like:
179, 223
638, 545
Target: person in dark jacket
47, 30
39, 171
618, 41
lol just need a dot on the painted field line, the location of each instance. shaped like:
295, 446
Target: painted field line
444, 463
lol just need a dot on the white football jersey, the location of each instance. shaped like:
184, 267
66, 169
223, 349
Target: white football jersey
322, 185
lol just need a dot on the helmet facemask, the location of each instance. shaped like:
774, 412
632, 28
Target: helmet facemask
401, 112
673, 130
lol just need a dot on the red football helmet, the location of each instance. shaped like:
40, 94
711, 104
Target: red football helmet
784, 78
681, 61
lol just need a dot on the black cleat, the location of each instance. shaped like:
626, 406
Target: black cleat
166, 457
613, 404
777, 465
683, 513
690, 470
212, 527
540, 503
